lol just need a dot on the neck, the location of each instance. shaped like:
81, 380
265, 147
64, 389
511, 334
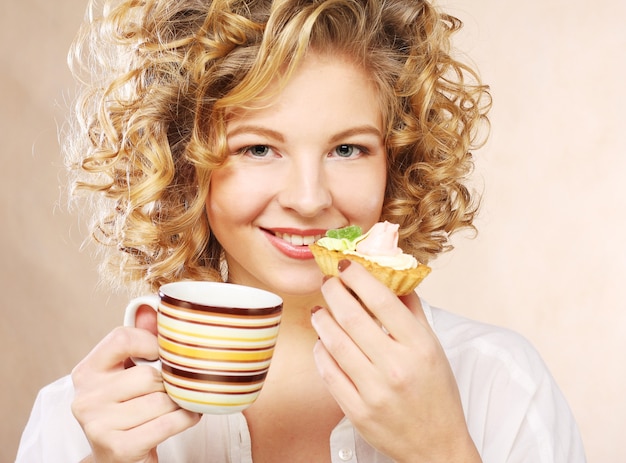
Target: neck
297, 310
296, 338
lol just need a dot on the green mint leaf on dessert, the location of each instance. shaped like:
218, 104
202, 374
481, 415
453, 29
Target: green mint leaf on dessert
350, 233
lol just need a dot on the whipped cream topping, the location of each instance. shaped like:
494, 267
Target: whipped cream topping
381, 239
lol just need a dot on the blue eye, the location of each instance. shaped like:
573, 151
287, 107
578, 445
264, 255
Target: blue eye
258, 151
345, 151
348, 151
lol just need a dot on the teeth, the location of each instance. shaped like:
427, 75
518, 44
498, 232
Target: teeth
298, 240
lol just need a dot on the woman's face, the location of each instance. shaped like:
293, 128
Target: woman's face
311, 160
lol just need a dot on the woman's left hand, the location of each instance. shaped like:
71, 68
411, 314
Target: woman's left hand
394, 384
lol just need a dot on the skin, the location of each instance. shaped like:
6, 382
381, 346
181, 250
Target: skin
312, 158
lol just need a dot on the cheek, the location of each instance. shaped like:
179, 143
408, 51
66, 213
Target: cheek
217, 199
234, 197
361, 196
371, 205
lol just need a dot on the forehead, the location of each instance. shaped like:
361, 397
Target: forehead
322, 86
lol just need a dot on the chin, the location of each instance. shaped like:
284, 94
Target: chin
298, 284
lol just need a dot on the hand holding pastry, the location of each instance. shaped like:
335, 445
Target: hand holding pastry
394, 384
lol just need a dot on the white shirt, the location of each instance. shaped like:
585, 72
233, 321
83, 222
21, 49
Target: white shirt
514, 410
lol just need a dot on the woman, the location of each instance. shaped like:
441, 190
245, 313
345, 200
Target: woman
224, 136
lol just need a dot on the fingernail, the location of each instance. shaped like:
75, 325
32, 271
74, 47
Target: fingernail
315, 309
343, 264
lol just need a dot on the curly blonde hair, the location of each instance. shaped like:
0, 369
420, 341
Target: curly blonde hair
159, 77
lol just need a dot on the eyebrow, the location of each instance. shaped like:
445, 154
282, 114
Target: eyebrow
273, 134
256, 130
360, 130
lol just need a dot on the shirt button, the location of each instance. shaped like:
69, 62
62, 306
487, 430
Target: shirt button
346, 454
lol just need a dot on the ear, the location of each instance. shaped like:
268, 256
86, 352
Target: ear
146, 318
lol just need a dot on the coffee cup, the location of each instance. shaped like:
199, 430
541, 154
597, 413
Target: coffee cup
216, 341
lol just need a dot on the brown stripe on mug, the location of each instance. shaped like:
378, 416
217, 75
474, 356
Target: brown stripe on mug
237, 311
215, 378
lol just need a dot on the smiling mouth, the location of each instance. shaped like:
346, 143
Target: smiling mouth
298, 240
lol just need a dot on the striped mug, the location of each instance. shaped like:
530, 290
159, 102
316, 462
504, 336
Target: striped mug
216, 341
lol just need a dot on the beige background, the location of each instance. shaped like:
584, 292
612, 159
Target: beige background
549, 262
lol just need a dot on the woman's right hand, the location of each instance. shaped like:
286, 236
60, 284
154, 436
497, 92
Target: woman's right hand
125, 412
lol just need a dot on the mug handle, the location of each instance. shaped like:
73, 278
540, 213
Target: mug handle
130, 317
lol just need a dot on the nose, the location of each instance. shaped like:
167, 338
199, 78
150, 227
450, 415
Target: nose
305, 188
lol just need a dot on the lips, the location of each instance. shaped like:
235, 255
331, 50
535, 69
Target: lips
294, 243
